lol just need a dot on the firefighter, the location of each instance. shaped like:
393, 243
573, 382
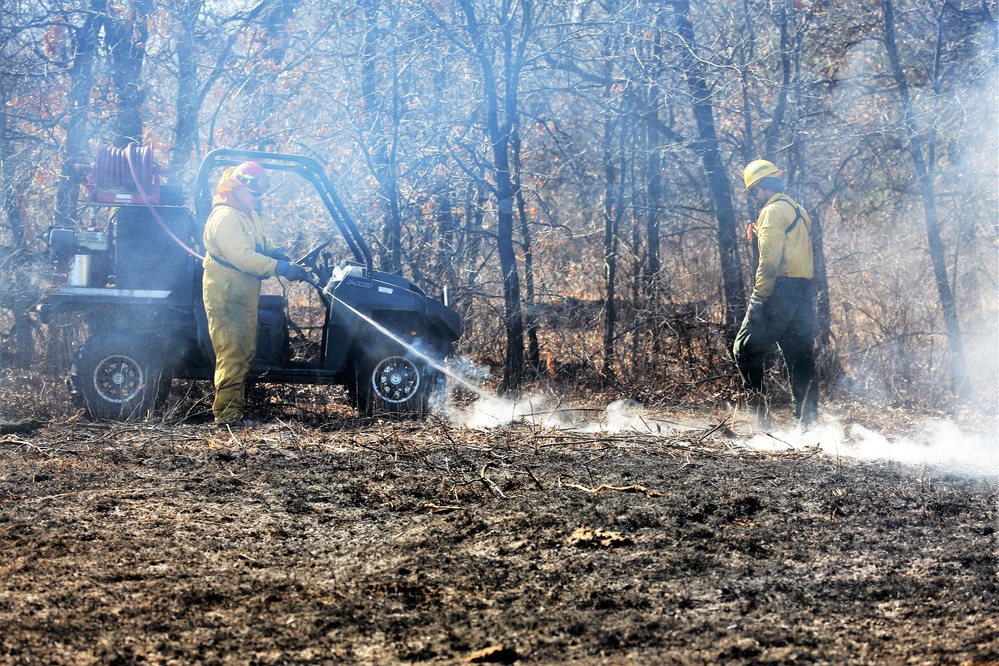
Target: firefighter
781, 308
237, 258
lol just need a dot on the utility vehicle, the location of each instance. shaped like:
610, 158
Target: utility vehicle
136, 282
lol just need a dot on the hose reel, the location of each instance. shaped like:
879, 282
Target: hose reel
125, 176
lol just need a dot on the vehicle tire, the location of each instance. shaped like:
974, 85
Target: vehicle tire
389, 381
118, 378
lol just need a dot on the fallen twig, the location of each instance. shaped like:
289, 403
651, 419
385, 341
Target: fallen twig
533, 478
621, 489
434, 508
707, 433
94, 492
23, 428
489, 482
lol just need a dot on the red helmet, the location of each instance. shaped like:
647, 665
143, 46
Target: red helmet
253, 176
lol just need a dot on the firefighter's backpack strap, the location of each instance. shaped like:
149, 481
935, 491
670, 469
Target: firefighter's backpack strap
797, 216
225, 263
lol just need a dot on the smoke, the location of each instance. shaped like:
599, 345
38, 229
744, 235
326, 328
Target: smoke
491, 411
937, 443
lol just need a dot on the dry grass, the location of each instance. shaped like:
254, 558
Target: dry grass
390, 542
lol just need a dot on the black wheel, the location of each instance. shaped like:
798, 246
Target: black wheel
118, 378
392, 382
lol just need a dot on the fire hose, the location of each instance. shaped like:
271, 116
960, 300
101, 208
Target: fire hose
112, 164
114, 168
133, 165
143, 174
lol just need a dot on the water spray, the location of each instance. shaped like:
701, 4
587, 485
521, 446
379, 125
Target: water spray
478, 390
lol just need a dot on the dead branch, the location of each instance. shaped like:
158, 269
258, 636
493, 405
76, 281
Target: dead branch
493, 488
22, 428
434, 508
621, 489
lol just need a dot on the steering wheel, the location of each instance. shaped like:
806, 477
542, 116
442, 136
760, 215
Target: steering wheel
311, 260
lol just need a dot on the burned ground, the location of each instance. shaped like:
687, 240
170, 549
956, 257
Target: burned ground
381, 542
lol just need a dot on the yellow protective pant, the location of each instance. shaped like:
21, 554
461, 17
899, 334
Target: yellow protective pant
231, 300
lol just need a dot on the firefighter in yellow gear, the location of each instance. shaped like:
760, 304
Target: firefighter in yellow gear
781, 308
237, 258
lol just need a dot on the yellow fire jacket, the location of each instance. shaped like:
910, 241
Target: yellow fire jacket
783, 229
236, 240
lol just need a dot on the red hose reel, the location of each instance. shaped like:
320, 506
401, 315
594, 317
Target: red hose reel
125, 176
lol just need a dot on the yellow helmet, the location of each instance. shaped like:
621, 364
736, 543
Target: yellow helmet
756, 171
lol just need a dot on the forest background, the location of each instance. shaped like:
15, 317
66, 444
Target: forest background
569, 170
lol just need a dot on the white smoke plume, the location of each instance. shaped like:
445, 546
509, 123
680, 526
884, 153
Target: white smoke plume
937, 443
621, 416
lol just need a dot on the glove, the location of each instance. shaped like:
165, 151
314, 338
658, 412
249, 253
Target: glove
280, 255
755, 312
291, 271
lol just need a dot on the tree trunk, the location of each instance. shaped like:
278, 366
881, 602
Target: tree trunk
499, 133
927, 189
17, 293
81, 74
721, 193
513, 315
126, 42
652, 264
610, 249
530, 304
188, 103
376, 112
613, 158
773, 132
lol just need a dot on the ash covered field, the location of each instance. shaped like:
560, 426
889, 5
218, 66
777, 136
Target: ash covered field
366, 541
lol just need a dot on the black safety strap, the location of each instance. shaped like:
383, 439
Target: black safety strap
797, 216
228, 265
257, 248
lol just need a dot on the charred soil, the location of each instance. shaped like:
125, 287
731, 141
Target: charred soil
384, 543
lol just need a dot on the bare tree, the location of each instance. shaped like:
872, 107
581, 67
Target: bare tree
125, 38
612, 141
927, 188
81, 52
719, 185
497, 43
17, 293
380, 117
531, 318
